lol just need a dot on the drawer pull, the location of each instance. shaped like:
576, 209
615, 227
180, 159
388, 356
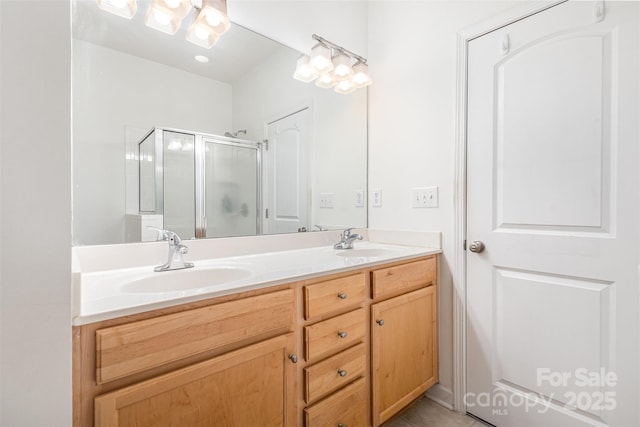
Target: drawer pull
342, 334
342, 372
380, 322
293, 358
342, 295
342, 425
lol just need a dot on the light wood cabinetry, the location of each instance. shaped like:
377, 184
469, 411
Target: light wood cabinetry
246, 387
308, 353
404, 337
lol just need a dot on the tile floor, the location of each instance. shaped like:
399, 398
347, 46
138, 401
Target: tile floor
426, 413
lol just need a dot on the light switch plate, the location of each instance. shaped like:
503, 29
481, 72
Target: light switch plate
326, 200
359, 200
426, 197
376, 198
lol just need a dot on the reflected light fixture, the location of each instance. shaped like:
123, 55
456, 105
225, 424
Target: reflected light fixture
210, 18
332, 66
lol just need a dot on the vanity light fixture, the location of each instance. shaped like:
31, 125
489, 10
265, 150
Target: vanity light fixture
332, 66
210, 19
123, 8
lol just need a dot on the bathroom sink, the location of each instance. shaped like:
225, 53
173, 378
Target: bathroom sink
367, 252
184, 280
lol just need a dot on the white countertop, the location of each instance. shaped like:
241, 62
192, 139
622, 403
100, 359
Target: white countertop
104, 294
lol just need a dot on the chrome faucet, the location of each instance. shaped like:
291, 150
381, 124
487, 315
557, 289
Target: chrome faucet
176, 250
347, 239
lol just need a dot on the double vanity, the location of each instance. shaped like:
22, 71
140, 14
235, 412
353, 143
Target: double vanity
307, 335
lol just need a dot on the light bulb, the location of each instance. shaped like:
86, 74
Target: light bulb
342, 67
345, 87
214, 18
201, 33
161, 17
325, 81
361, 75
321, 58
304, 71
120, 4
172, 3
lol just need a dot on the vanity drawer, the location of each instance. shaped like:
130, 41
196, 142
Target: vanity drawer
334, 372
333, 334
404, 277
347, 407
332, 295
134, 347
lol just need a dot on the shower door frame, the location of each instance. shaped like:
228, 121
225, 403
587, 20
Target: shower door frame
200, 139
200, 175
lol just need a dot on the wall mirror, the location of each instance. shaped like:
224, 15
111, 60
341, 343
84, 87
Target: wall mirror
230, 147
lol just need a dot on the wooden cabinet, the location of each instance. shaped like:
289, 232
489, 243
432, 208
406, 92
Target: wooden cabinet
351, 349
246, 387
404, 338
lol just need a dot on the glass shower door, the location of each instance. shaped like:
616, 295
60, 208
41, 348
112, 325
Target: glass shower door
231, 189
179, 183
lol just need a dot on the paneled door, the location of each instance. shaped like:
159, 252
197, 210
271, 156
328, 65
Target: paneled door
552, 219
286, 174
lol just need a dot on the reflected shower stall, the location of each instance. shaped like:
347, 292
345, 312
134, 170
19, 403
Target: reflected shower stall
197, 185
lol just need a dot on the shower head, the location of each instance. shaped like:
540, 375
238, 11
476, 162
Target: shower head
235, 134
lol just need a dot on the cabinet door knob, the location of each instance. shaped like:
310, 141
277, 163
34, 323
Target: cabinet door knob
342, 334
342, 295
342, 425
342, 372
380, 322
293, 358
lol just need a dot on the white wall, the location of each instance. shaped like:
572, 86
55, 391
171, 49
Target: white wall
292, 22
112, 90
337, 136
412, 57
35, 217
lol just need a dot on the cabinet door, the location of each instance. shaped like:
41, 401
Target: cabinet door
250, 386
404, 350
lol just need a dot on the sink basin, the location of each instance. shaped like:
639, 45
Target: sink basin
184, 280
367, 252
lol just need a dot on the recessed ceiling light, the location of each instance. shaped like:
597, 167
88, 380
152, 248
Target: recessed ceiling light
201, 58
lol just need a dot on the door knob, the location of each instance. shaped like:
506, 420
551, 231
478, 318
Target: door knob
476, 246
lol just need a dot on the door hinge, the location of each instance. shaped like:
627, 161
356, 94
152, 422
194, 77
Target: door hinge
266, 144
464, 245
266, 213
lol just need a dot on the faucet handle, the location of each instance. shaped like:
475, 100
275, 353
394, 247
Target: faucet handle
169, 235
347, 232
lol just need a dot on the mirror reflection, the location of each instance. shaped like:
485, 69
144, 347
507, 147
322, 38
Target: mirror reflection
230, 147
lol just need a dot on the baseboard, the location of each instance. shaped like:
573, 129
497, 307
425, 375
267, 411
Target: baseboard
441, 395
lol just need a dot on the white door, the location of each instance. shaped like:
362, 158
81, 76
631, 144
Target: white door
286, 174
552, 182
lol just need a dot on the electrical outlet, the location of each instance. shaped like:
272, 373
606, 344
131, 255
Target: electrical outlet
376, 198
359, 201
425, 197
326, 200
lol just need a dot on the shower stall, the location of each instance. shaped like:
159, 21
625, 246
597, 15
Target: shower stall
199, 185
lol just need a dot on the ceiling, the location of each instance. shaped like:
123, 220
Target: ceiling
236, 52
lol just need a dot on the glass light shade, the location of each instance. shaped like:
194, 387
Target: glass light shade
179, 7
345, 87
162, 18
202, 35
123, 8
214, 12
325, 81
361, 76
321, 58
210, 23
304, 71
341, 67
